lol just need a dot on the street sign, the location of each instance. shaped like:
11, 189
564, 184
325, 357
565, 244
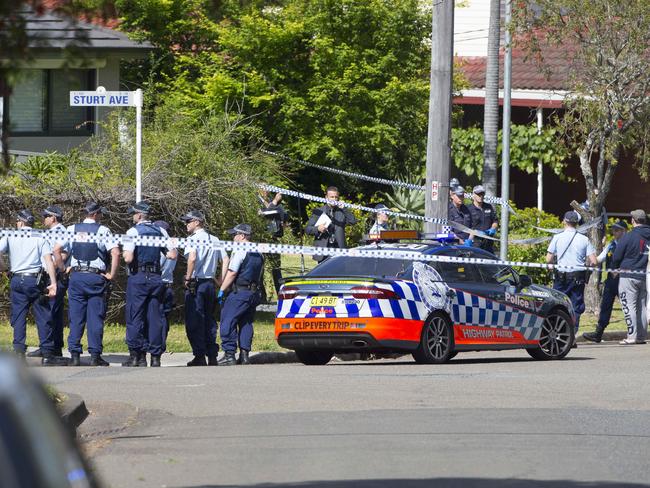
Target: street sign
102, 99
435, 190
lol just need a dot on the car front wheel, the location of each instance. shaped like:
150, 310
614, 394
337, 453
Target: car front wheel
436, 341
312, 357
556, 338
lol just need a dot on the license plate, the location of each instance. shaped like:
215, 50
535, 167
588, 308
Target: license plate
323, 301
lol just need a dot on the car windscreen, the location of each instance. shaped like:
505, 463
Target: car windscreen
356, 266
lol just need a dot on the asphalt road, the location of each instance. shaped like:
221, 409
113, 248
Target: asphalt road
484, 420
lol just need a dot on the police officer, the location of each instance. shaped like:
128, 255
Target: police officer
276, 219
245, 277
610, 288
145, 290
484, 218
459, 213
26, 255
167, 267
570, 248
381, 220
200, 291
88, 283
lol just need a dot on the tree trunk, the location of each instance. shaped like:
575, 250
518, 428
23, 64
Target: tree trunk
491, 113
5, 92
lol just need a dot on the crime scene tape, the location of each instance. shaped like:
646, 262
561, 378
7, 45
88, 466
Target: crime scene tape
370, 251
373, 179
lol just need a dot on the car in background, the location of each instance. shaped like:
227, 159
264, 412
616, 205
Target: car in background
432, 310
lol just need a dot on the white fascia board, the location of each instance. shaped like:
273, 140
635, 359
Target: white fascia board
518, 94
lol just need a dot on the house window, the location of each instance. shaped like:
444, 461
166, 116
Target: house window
40, 104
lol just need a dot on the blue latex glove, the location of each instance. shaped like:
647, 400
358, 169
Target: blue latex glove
221, 297
491, 232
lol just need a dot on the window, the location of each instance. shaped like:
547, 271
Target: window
457, 272
357, 266
498, 274
39, 103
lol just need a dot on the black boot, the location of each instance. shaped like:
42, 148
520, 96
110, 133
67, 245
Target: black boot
58, 352
155, 361
35, 354
243, 357
197, 361
212, 361
142, 359
595, 336
50, 360
132, 362
75, 359
228, 360
98, 360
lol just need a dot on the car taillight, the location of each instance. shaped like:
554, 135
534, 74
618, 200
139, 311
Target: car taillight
287, 293
367, 292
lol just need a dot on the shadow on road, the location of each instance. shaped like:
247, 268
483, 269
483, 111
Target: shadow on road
440, 483
457, 360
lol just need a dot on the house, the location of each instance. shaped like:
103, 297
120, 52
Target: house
40, 116
537, 96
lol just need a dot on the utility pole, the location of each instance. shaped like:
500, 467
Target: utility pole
439, 134
505, 168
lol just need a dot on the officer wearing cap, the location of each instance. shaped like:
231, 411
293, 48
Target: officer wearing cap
610, 287
381, 220
145, 290
459, 213
200, 291
570, 248
167, 267
26, 255
89, 279
52, 217
484, 218
245, 277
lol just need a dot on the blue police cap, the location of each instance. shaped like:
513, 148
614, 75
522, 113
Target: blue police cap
620, 224
25, 216
162, 224
94, 207
193, 215
140, 207
572, 217
241, 229
53, 210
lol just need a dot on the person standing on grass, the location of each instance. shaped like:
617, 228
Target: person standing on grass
26, 255
90, 277
632, 255
610, 288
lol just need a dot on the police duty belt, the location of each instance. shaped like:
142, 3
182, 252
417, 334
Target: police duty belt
371, 251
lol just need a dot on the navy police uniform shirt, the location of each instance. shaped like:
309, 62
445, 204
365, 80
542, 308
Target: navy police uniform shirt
482, 217
460, 215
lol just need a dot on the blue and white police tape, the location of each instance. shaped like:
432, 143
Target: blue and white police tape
369, 251
373, 179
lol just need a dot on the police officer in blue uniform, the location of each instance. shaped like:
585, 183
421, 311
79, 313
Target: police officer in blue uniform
26, 255
88, 283
484, 218
245, 276
167, 267
203, 258
610, 287
458, 212
570, 248
145, 290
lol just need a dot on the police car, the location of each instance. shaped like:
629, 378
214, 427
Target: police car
432, 310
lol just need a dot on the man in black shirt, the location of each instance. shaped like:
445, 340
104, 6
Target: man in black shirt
484, 218
459, 213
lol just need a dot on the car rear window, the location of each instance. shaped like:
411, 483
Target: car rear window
356, 266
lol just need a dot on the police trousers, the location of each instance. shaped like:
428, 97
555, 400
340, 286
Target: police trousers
86, 308
610, 291
200, 323
237, 317
167, 306
576, 293
144, 317
25, 294
58, 313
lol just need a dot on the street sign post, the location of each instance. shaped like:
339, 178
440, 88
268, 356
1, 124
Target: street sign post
103, 98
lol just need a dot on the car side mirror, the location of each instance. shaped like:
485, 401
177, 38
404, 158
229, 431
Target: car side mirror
524, 281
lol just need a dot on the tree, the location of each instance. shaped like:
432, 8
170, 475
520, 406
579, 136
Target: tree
491, 114
607, 44
17, 47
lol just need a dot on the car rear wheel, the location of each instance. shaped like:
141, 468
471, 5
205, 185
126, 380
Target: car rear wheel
436, 341
556, 337
312, 357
